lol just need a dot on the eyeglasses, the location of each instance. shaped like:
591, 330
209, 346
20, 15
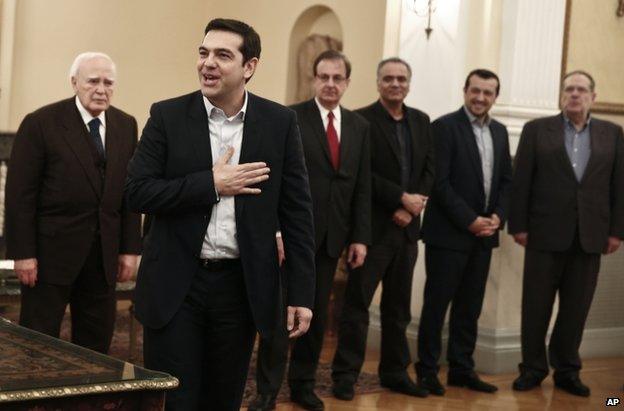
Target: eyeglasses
337, 79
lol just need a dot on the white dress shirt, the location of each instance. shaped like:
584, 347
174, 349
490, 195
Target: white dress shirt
87, 117
325, 113
220, 240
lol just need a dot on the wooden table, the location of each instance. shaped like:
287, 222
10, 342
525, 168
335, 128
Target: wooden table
39, 372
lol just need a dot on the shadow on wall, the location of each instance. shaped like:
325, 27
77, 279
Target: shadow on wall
317, 29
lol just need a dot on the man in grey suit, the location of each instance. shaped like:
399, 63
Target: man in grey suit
567, 208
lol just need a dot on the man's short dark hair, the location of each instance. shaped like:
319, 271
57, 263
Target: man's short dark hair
592, 83
394, 60
484, 74
332, 55
251, 40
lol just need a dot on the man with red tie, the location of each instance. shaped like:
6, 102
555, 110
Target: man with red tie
337, 154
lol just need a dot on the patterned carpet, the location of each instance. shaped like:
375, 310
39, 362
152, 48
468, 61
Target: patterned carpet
367, 382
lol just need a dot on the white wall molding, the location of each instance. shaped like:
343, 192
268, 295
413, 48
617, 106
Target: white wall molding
499, 350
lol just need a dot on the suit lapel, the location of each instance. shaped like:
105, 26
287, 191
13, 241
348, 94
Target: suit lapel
471, 144
113, 147
497, 147
77, 136
199, 135
556, 135
315, 123
346, 136
596, 138
388, 131
251, 144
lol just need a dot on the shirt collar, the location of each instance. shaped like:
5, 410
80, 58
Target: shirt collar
325, 112
241, 113
568, 122
474, 119
86, 116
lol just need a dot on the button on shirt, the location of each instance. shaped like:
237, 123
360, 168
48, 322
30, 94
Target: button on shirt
578, 146
483, 138
220, 240
87, 117
325, 118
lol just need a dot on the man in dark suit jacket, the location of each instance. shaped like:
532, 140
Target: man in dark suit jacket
402, 170
567, 208
210, 277
337, 153
468, 206
67, 228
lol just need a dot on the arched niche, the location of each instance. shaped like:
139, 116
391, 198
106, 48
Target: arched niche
319, 20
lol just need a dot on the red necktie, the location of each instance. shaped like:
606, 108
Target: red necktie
332, 140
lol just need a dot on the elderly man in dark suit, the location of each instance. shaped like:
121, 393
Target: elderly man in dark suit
67, 227
337, 153
468, 206
402, 175
567, 208
210, 276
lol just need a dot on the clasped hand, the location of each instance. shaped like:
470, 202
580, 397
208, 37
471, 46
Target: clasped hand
484, 226
233, 179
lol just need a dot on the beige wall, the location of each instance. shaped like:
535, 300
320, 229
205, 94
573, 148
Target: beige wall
362, 24
154, 43
595, 44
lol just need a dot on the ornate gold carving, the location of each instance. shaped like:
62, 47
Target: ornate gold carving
57, 392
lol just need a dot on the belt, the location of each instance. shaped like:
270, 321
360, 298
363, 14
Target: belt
219, 265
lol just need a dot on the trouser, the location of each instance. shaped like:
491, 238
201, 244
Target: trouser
208, 343
306, 349
91, 300
455, 278
393, 265
572, 275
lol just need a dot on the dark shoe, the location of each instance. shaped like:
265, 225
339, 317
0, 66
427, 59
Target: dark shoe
405, 386
306, 399
432, 384
525, 382
574, 386
262, 402
343, 390
472, 382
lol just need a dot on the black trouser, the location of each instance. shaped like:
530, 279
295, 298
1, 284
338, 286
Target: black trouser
573, 275
208, 343
272, 356
393, 265
306, 349
91, 300
457, 277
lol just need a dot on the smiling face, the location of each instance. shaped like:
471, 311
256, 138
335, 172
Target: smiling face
222, 73
94, 84
330, 82
480, 95
577, 96
393, 81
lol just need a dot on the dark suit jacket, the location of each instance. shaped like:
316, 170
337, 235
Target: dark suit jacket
386, 170
58, 193
341, 199
551, 205
170, 177
458, 196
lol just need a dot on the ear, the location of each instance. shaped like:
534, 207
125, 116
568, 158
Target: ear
74, 84
347, 82
250, 67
